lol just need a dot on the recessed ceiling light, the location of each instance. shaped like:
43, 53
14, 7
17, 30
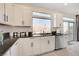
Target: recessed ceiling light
65, 4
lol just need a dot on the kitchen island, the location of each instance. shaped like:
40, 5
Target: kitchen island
36, 45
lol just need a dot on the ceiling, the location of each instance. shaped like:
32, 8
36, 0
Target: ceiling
69, 9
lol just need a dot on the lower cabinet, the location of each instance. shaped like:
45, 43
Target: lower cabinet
15, 49
32, 46
43, 44
47, 44
51, 43
27, 47
36, 48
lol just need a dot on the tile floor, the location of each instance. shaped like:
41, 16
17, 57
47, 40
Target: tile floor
71, 50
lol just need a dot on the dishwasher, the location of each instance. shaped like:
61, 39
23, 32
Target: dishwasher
59, 41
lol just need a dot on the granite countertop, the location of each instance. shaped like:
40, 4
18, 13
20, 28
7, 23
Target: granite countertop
6, 45
9, 42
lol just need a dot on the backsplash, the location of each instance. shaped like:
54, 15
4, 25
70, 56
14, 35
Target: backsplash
12, 29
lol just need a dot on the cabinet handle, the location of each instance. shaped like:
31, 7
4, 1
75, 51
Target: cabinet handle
48, 42
22, 22
32, 44
4, 17
7, 18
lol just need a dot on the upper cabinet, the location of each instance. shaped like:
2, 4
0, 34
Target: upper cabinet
6, 14
16, 14
23, 15
27, 17
9, 13
1, 12
58, 20
18, 10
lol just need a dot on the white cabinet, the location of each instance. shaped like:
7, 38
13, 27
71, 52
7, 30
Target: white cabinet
36, 48
47, 44
32, 46
22, 47
58, 20
1, 12
18, 14
15, 49
9, 13
51, 43
43, 43
27, 17
37, 45
23, 15
27, 46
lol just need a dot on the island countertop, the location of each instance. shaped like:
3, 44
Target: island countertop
6, 45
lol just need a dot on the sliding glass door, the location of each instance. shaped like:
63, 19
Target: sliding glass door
65, 27
69, 29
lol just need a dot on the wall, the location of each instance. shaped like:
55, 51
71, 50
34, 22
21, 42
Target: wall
14, 29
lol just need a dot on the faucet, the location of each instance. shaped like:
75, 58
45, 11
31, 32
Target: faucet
43, 33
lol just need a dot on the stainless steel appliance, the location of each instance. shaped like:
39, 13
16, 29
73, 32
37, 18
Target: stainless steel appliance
59, 41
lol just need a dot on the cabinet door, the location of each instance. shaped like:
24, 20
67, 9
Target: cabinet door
9, 12
28, 47
37, 47
44, 44
1, 12
15, 49
18, 15
58, 20
27, 17
51, 43
48, 43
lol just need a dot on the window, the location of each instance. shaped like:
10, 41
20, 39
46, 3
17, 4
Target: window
65, 27
68, 24
68, 28
41, 24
